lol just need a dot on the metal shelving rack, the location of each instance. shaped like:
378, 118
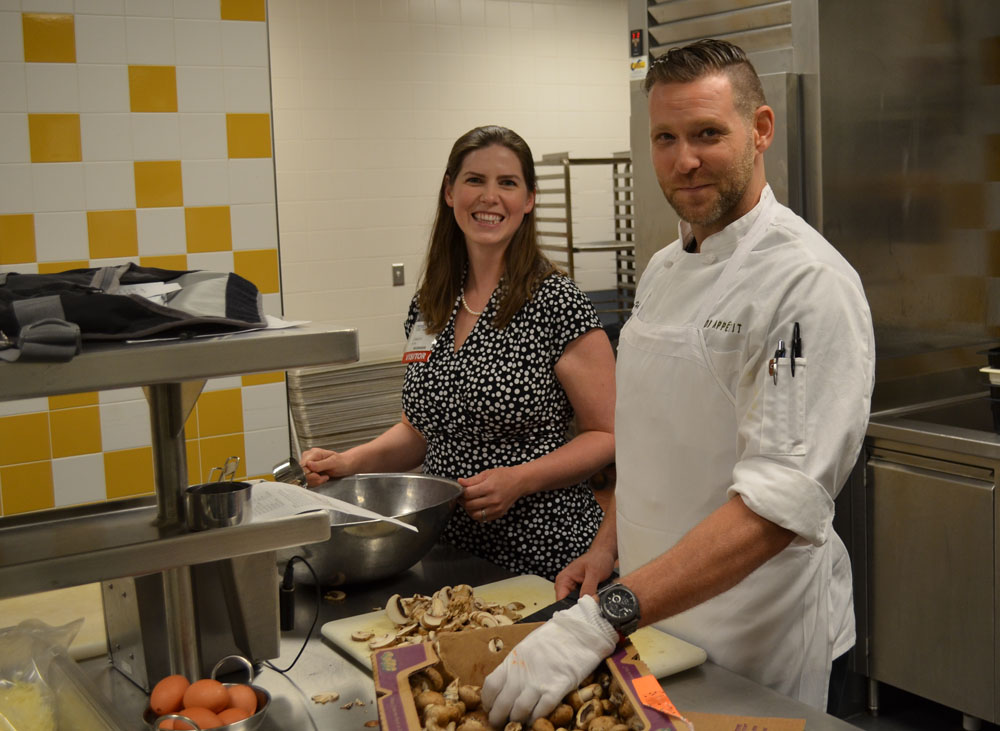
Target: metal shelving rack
555, 219
52, 549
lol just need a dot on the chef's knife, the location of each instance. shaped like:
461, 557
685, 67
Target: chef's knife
545, 613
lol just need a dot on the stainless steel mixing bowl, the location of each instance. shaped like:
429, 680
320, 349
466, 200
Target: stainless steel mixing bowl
360, 550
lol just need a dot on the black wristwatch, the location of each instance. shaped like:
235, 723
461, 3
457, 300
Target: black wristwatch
620, 607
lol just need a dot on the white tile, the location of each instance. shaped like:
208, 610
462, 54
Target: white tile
206, 182
196, 9
11, 38
13, 88
198, 42
200, 89
255, 226
24, 406
77, 480
520, 15
497, 13
156, 136
52, 88
20, 269
448, 12
110, 185
104, 88
101, 39
99, 7
223, 384
244, 43
61, 236
120, 395
264, 406
14, 142
272, 304
150, 41
161, 231
421, 11
265, 449
203, 137
17, 192
47, 6
106, 136
149, 8
473, 12
125, 425
58, 186
251, 180
248, 90
215, 261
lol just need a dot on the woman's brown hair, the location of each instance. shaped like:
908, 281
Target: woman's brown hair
525, 266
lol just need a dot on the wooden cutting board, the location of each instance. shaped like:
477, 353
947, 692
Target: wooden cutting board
663, 653
59, 607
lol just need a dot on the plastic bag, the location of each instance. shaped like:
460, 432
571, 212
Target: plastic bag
41, 687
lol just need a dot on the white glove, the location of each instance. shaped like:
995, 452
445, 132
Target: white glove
548, 663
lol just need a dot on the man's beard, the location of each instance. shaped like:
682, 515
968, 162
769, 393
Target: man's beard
729, 191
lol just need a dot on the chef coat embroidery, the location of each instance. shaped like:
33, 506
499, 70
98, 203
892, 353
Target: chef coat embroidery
724, 325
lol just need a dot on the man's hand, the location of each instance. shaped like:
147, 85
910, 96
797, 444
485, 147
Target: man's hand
548, 664
586, 572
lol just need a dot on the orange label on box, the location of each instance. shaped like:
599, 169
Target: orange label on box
652, 694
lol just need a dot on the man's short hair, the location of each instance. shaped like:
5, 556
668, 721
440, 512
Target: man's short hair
707, 57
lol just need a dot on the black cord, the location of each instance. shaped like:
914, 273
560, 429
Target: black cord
287, 583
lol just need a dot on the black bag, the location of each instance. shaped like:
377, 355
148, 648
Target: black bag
47, 316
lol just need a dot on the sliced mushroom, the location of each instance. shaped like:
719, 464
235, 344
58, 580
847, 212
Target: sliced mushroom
395, 612
379, 641
588, 712
362, 635
495, 645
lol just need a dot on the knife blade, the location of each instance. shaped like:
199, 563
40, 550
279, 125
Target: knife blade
545, 613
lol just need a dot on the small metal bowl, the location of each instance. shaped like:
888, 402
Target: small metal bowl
218, 504
247, 724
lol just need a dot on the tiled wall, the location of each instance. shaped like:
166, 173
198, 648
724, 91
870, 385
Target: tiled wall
135, 130
368, 99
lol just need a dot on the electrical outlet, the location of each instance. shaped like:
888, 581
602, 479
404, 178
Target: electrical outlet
398, 278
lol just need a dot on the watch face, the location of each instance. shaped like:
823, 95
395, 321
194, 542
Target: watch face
618, 604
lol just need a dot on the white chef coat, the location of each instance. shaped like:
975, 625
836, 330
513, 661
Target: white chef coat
699, 420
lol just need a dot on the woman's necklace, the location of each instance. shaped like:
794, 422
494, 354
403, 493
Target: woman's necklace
469, 309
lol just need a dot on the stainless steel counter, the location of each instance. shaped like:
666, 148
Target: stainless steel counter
322, 668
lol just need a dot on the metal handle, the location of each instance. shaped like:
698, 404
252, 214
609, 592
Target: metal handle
177, 717
247, 665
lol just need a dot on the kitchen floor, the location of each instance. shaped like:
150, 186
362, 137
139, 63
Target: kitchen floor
902, 711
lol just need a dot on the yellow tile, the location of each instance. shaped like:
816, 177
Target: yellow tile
258, 379
191, 425
55, 137
216, 450
220, 412
73, 400
170, 261
193, 462
158, 184
52, 267
27, 487
208, 228
152, 88
128, 472
76, 431
260, 266
24, 438
249, 135
243, 10
112, 234
48, 38
17, 238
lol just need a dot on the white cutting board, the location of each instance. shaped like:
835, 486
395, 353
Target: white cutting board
59, 607
662, 653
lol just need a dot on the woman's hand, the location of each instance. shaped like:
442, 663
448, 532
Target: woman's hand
489, 494
322, 464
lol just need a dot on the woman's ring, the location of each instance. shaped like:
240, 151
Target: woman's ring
483, 514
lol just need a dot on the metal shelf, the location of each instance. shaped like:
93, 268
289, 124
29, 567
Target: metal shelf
53, 549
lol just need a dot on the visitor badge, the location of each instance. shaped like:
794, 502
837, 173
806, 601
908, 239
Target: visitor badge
419, 344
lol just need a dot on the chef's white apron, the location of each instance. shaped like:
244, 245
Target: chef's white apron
676, 442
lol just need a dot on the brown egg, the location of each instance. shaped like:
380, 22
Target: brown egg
206, 693
242, 696
232, 715
168, 694
201, 716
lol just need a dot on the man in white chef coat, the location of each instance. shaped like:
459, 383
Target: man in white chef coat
744, 383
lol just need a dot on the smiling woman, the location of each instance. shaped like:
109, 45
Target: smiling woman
504, 352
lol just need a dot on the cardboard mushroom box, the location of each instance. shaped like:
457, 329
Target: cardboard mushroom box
412, 680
